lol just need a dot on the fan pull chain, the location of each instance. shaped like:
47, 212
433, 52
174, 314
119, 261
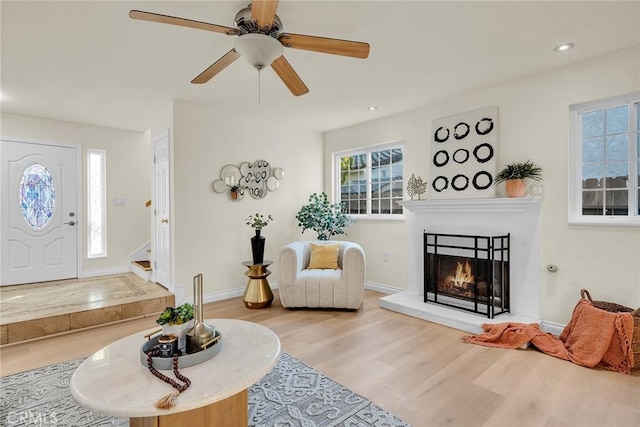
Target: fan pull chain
259, 86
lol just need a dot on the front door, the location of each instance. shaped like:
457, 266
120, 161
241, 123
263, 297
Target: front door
39, 212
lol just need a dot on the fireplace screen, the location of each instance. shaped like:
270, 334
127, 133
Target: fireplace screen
467, 272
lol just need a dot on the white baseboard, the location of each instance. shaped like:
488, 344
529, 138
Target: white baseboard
551, 327
384, 289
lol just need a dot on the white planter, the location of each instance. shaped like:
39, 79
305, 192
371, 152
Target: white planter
180, 331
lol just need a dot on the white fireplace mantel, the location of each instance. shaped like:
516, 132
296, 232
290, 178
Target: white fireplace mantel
520, 217
494, 205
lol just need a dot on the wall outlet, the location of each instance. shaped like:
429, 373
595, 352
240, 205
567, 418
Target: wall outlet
385, 256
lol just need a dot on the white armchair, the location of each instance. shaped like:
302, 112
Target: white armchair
303, 287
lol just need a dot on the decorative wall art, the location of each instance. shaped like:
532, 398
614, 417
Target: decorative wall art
463, 155
255, 179
415, 186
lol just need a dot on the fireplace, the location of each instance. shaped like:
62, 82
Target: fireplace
519, 218
467, 272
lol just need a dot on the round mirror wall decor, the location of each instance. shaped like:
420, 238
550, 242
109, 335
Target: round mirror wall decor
254, 178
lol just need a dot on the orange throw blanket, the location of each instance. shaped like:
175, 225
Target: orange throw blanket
593, 337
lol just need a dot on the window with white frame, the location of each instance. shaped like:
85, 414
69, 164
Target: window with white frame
369, 181
605, 161
97, 206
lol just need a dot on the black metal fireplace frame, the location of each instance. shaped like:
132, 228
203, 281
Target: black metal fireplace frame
494, 250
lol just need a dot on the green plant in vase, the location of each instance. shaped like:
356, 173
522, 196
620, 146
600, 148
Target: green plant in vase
514, 176
177, 321
258, 221
325, 218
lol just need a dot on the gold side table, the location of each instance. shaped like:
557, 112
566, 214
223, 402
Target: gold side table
258, 293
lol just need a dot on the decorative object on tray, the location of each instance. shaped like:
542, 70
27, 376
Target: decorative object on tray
514, 176
415, 186
258, 221
324, 218
163, 353
163, 363
463, 155
256, 179
202, 334
177, 321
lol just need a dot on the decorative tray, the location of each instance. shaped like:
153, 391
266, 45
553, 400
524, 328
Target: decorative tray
184, 361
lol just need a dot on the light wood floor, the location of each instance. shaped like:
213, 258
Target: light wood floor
418, 370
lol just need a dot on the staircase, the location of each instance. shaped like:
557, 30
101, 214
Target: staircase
140, 263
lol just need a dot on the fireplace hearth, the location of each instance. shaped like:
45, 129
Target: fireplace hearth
467, 272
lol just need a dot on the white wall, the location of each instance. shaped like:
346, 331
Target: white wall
128, 176
210, 233
534, 124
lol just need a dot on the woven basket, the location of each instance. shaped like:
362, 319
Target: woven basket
617, 308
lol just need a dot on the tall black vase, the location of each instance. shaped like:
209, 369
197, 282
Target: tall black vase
257, 247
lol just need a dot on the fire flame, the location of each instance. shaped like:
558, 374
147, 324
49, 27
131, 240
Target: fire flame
463, 274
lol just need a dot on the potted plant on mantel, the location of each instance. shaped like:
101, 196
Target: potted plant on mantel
514, 176
324, 218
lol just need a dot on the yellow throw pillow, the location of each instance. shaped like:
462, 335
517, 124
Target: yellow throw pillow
324, 256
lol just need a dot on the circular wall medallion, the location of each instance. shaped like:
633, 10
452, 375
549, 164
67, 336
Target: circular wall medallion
460, 182
461, 130
482, 180
438, 138
461, 155
278, 173
484, 126
440, 183
219, 186
441, 158
230, 175
272, 183
483, 153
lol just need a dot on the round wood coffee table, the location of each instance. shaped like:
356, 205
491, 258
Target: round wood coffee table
113, 381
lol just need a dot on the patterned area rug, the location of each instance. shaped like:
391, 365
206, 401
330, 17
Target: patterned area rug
292, 394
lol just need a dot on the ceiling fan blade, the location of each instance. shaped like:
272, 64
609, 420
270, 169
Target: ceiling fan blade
216, 67
166, 19
288, 75
263, 11
325, 45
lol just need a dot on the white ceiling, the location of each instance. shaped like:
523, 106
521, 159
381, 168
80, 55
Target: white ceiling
88, 62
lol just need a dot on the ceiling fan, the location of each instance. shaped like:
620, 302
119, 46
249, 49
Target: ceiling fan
261, 41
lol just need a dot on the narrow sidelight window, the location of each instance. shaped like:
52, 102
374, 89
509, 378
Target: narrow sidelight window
97, 207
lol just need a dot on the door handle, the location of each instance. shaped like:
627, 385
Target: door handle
71, 223
164, 220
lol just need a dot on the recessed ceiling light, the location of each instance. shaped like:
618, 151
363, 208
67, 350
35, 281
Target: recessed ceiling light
372, 108
563, 47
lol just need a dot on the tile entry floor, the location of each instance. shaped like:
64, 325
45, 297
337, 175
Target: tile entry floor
38, 309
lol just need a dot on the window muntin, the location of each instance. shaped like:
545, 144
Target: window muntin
370, 180
97, 206
605, 146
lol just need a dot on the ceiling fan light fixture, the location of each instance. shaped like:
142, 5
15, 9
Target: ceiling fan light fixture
259, 50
